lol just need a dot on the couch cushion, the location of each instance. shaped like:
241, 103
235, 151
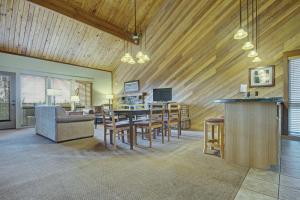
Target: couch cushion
74, 118
60, 111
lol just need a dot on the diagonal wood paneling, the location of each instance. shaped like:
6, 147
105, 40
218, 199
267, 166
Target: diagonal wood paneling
31, 30
193, 51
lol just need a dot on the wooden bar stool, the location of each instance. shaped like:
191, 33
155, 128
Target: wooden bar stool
218, 142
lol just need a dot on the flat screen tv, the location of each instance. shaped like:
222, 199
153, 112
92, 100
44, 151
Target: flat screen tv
162, 94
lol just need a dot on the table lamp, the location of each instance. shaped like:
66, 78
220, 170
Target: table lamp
74, 99
53, 93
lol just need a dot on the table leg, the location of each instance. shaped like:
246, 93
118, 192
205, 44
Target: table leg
131, 130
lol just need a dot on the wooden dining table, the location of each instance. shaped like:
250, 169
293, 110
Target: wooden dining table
131, 113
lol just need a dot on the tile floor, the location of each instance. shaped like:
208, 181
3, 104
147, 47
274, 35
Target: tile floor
269, 185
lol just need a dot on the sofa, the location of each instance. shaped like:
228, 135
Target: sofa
54, 123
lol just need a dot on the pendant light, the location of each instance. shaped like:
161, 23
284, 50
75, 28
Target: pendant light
257, 58
248, 45
146, 57
131, 61
253, 52
241, 33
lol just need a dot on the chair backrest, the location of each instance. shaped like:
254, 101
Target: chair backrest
108, 118
156, 113
173, 112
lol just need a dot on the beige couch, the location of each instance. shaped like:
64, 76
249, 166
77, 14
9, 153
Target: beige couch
54, 123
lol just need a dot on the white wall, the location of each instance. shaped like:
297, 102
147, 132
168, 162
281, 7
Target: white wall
102, 80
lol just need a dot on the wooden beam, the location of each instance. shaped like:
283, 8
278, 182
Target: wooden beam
84, 17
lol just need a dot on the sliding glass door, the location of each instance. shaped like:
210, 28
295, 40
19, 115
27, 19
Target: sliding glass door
294, 97
7, 100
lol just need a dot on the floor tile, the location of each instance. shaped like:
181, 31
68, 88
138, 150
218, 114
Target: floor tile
260, 186
291, 172
245, 194
287, 193
290, 181
265, 175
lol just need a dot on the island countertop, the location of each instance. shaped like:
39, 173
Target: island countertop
265, 99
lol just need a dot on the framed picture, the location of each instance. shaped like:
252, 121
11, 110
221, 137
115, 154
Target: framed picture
132, 86
262, 76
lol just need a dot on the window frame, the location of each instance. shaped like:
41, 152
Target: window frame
286, 57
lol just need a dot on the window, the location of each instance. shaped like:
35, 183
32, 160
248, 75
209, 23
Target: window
4, 97
33, 89
84, 90
64, 88
294, 97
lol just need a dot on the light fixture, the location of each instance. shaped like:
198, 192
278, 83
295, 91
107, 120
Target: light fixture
141, 61
252, 54
248, 45
131, 61
139, 55
146, 58
257, 58
241, 33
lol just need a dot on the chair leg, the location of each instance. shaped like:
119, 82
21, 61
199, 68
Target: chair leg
178, 131
105, 142
115, 139
222, 141
169, 133
111, 136
123, 138
135, 135
205, 138
212, 136
150, 137
162, 136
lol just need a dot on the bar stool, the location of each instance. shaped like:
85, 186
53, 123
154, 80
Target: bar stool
217, 122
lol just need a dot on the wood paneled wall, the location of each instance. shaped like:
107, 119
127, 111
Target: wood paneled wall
192, 49
31, 30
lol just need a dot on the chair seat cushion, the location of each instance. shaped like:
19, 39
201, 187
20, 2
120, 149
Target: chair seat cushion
215, 120
120, 124
146, 123
74, 118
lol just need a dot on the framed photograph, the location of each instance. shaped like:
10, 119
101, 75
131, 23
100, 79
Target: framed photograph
262, 76
132, 86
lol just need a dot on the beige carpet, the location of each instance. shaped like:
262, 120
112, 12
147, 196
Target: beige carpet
32, 167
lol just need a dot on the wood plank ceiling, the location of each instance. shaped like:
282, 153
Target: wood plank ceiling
31, 30
193, 51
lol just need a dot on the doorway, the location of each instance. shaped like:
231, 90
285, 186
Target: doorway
7, 100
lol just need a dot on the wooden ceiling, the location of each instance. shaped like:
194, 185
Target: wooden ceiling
31, 30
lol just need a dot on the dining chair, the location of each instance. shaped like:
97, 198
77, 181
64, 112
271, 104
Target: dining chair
115, 128
173, 119
155, 121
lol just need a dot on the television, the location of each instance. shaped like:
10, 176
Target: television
162, 94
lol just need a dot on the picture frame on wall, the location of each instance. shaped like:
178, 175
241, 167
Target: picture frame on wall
131, 86
262, 76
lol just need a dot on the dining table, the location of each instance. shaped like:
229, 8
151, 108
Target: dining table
131, 113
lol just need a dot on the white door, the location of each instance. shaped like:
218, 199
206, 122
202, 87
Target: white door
7, 100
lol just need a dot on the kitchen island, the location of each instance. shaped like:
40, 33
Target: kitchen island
252, 131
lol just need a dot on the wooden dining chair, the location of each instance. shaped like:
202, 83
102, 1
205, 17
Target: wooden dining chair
115, 128
155, 121
173, 119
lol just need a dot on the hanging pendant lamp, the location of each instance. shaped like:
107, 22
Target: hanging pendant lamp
248, 45
253, 52
241, 33
257, 58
